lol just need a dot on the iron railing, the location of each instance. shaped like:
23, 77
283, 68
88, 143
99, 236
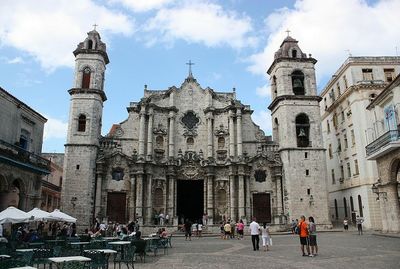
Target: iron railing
383, 140
23, 156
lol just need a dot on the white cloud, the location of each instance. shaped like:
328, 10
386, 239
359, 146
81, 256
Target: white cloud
50, 31
55, 128
263, 119
198, 22
142, 5
264, 91
328, 28
16, 60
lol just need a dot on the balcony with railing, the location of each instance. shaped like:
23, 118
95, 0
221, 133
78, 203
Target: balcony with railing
384, 144
19, 157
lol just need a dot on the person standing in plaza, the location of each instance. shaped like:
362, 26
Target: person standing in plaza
240, 228
345, 224
255, 232
266, 237
359, 222
312, 230
227, 229
303, 228
188, 230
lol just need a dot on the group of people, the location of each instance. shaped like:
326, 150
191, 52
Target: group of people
308, 237
229, 229
255, 230
192, 228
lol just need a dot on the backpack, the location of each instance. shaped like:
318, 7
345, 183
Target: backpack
297, 230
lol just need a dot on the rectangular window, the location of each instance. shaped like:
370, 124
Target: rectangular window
330, 151
307, 172
334, 119
356, 167
333, 176
353, 139
77, 167
346, 144
341, 172
305, 155
367, 74
348, 170
339, 147
345, 82
389, 74
342, 115
332, 95
308, 191
338, 89
328, 126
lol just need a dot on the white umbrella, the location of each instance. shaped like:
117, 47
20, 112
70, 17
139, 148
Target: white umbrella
40, 215
60, 216
14, 215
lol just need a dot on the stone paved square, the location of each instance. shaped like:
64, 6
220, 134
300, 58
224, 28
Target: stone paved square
336, 250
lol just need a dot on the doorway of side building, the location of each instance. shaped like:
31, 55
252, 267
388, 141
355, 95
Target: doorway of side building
262, 207
116, 207
190, 200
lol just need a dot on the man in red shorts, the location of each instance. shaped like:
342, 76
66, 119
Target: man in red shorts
303, 228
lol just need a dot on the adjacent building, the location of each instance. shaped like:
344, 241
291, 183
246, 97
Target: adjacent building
346, 131
21, 166
187, 151
384, 115
52, 183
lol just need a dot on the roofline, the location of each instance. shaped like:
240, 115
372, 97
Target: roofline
23, 104
384, 92
290, 59
353, 60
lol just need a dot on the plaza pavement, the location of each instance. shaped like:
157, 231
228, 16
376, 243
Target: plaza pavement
336, 250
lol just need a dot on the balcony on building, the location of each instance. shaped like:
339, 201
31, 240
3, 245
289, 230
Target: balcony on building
384, 144
19, 157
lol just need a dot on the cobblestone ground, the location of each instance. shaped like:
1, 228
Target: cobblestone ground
336, 250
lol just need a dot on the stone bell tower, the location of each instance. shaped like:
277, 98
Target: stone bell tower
297, 128
84, 127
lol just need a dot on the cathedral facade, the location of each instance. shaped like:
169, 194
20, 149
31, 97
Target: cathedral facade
188, 151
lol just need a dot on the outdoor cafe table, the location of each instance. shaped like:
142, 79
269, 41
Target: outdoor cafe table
80, 244
105, 251
58, 260
25, 249
120, 244
110, 238
36, 244
24, 267
5, 256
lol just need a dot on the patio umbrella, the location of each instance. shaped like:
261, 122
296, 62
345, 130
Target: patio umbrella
40, 215
14, 215
60, 216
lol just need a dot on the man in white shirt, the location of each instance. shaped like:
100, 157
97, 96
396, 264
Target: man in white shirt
255, 231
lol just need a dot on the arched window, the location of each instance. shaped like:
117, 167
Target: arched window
221, 142
294, 53
302, 130
345, 206
159, 142
90, 44
82, 123
117, 174
158, 198
274, 86
360, 206
298, 83
336, 210
86, 78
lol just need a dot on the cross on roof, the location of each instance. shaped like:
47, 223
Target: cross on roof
190, 68
288, 32
95, 25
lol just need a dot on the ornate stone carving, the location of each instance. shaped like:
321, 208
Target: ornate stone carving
190, 120
221, 131
159, 130
260, 175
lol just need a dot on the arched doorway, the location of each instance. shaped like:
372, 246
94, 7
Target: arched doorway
190, 200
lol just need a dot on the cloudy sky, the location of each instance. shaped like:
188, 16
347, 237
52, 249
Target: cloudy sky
232, 43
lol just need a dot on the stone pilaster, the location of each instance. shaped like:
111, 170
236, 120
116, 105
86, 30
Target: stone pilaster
210, 150
97, 206
171, 145
142, 130
139, 197
171, 199
231, 135
210, 199
232, 197
149, 208
239, 132
150, 134
248, 205
241, 205
132, 198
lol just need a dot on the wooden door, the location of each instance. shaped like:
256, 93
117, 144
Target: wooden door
116, 207
262, 207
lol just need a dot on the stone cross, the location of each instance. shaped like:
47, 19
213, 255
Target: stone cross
190, 68
95, 25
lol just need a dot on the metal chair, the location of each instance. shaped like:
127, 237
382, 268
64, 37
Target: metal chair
72, 265
98, 259
169, 239
127, 257
41, 256
140, 248
163, 244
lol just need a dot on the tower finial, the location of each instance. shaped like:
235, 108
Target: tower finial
190, 68
288, 32
94, 26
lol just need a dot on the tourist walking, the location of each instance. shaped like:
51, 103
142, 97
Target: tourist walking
188, 230
199, 229
255, 232
303, 232
227, 229
312, 230
266, 237
240, 228
359, 222
345, 224
293, 225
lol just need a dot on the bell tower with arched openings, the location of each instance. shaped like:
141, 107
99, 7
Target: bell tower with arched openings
296, 125
84, 128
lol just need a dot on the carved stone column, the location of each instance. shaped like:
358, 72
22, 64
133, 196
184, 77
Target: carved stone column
99, 179
142, 116
150, 135
171, 195
210, 135
232, 196
149, 204
210, 199
132, 198
239, 132
248, 205
231, 135
171, 145
241, 197
139, 197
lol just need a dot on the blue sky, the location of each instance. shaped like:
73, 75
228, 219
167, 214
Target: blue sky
149, 41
